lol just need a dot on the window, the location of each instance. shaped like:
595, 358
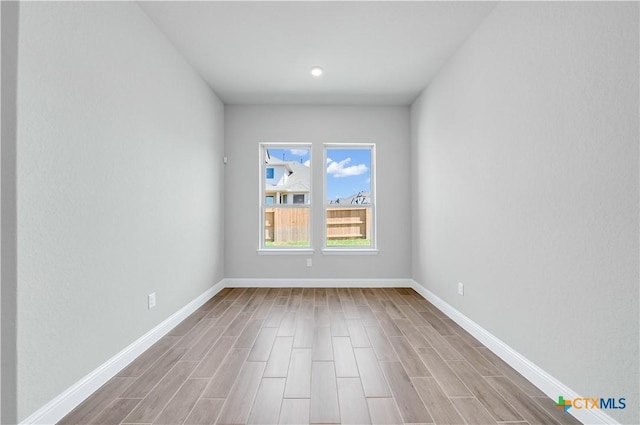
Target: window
287, 171
349, 184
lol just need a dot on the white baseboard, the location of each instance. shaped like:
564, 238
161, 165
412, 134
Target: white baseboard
64, 403
317, 283
538, 377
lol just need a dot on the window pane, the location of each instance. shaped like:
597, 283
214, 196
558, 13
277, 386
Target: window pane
286, 227
268, 200
287, 170
348, 176
298, 199
349, 226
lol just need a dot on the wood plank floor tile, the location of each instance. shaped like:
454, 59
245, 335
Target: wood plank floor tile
383, 411
373, 381
185, 326
357, 333
366, 316
531, 411
495, 404
345, 361
325, 355
338, 324
238, 405
356, 295
381, 346
275, 317
254, 302
350, 310
324, 394
181, 404
97, 401
448, 380
387, 324
473, 411
304, 333
194, 335
227, 374
149, 357
205, 412
410, 404
392, 310
411, 333
321, 316
151, 406
237, 325
263, 311
211, 361
353, 404
512, 374
204, 344
322, 345
228, 316
437, 324
115, 413
145, 383
408, 357
261, 349
440, 344
320, 296
266, 409
299, 375
437, 403
278, 362
288, 324
294, 411
475, 359
217, 312
249, 334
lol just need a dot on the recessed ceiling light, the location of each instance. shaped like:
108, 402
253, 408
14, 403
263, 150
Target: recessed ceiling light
316, 71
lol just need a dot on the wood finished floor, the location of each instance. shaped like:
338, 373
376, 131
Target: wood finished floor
321, 356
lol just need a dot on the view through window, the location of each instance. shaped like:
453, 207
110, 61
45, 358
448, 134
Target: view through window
286, 196
349, 196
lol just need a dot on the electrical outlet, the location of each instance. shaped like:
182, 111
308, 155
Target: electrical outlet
151, 299
309, 262
460, 288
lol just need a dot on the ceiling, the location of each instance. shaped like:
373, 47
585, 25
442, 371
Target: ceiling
261, 52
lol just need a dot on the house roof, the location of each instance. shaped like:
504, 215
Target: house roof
298, 179
360, 198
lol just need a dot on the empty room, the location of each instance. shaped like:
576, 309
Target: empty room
320, 212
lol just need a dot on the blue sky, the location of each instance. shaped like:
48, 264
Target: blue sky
348, 170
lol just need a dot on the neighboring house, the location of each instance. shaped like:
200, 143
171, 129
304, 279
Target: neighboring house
360, 198
286, 182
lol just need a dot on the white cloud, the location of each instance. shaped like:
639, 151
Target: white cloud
299, 152
329, 160
307, 163
343, 169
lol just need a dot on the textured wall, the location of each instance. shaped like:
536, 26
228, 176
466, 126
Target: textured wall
119, 188
525, 188
247, 126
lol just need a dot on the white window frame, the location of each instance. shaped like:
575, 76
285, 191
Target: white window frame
274, 250
357, 250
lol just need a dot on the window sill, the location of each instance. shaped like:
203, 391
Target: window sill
285, 251
349, 251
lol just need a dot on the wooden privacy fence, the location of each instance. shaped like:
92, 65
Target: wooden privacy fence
283, 225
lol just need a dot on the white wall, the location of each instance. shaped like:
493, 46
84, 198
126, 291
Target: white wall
247, 126
120, 175
525, 188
